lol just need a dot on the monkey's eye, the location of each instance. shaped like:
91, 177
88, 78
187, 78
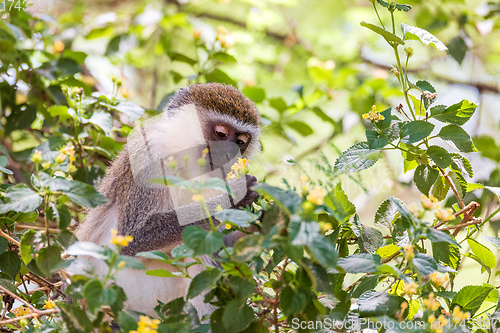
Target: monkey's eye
221, 131
242, 140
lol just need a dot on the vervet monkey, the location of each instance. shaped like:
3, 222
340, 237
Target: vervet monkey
211, 115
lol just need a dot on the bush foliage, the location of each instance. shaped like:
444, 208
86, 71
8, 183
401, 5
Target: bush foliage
313, 257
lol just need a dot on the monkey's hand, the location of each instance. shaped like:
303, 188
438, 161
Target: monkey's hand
250, 196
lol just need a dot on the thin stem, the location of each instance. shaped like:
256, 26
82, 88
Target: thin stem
376, 11
403, 80
393, 24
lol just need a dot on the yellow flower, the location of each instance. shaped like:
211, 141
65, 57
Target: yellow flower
36, 157
46, 165
373, 115
325, 226
458, 315
431, 303
429, 202
228, 226
238, 169
410, 288
225, 38
147, 325
119, 239
445, 214
219, 208
316, 196
60, 158
70, 151
197, 197
171, 162
58, 46
303, 179
49, 304
439, 279
409, 253
204, 153
21, 311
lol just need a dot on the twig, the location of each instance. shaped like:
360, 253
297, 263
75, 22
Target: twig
35, 227
29, 316
461, 225
12, 240
20, 299
473, 205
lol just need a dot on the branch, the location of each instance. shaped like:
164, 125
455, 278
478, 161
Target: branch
29, 316
9, 238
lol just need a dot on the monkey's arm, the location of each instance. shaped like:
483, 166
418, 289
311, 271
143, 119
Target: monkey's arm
159, 230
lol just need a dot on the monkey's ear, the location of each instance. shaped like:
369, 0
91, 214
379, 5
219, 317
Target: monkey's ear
173, 100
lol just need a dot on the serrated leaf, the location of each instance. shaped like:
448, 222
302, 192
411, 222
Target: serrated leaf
470, 298
22, 199
457, 114
358, 157
131, 110
241, 218
10, 263
415, 131
378, 303
360, 263
458, 138
26, 243
440, 156
203, 281
292, 301
388, 36
458, 49
440, 188
386, 213
461, 164
286, 199
411, 32
80, 193
48, 259
425, 176
425, 264
425, 86
237, 316
337, 200
202, 241
482, 252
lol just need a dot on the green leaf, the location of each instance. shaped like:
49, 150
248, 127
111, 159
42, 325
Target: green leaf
219, 76
459, 182
87, 249
440, 188
458, 138
292, 301
201, 282
163, 273
10, 263
323, 251
238, 217
470, 298
425, 86
337, 200
461, 164
3, 163
425, 176
237, 316
493, 240
437, 236
398, 6
388, 36
21, 199
364, 284
202, 241
26, 246
378, 303
48, 259
241, 287
75, 317
386, 212
356, 158
278, 104
458, 49
181, 251
131, 110
425, 264
376, 140
457, 114
80, 193
257, 95
101, 120
131, 262
360, 263
440, 156
446, 254
64, 216
4, 244
411, 32
174, 56
482, 252
301, 127
415, 131
288, 200
92, 292
66, 238
227, 58
247, 248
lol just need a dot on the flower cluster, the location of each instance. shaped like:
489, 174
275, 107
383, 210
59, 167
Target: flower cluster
21, 311
409, 252
49, 304
120, 240
429, 202
431, 303
316, 196
458, 315
439, 279
410, 288
438, 324
445, 214
225, 38
373, 115
147, 325
238, 169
